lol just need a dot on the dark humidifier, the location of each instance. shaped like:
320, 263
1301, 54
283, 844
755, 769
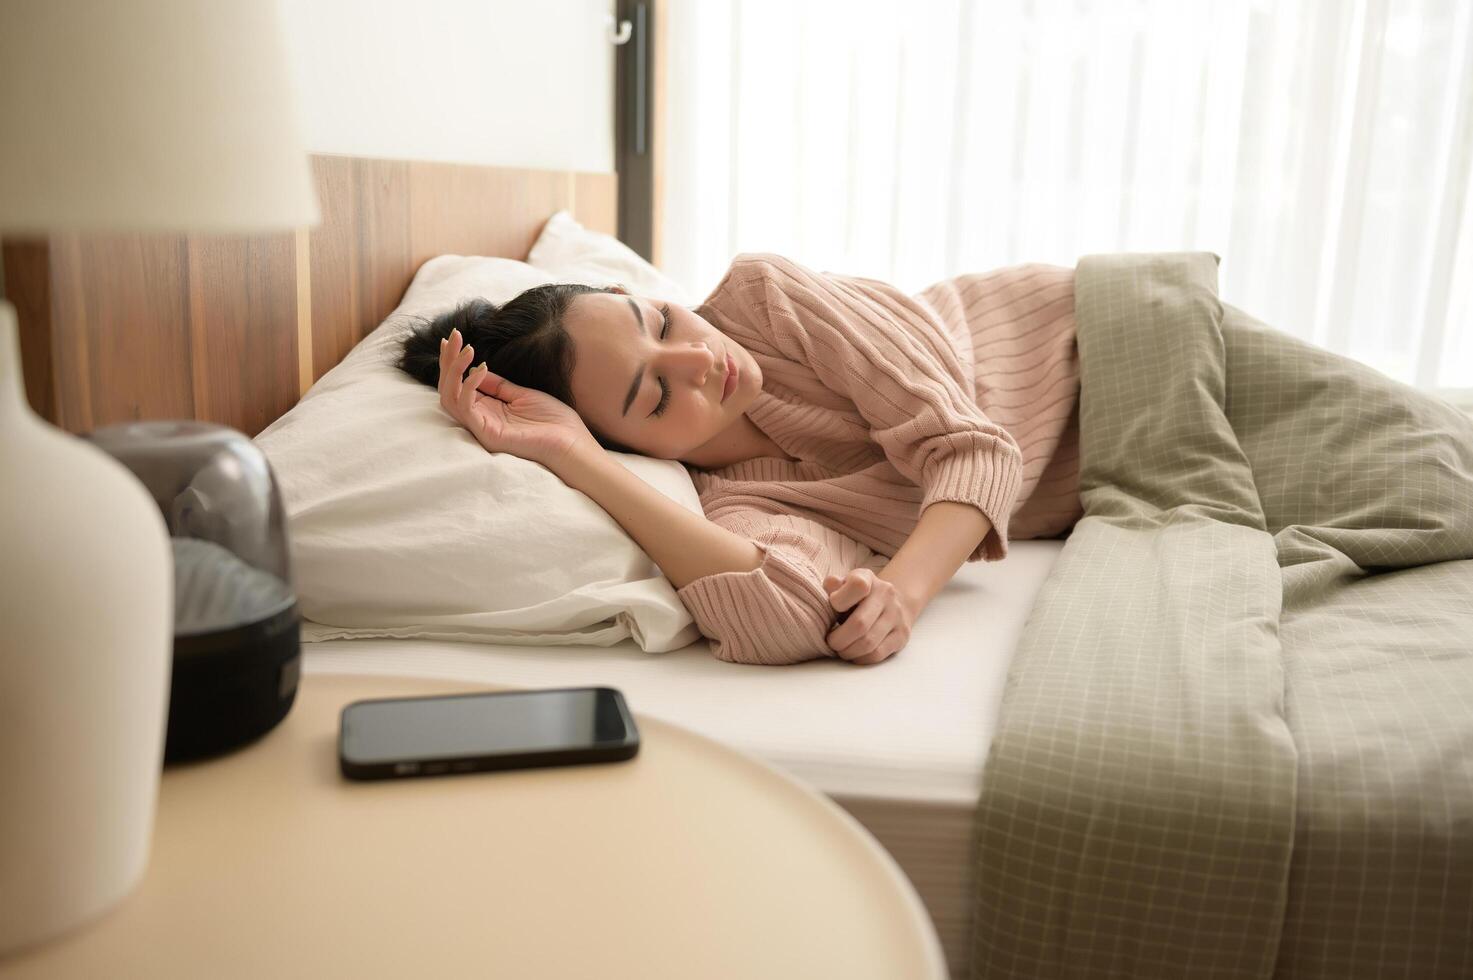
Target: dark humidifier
237, 637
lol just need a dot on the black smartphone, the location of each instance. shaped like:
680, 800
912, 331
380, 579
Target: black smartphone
426, 736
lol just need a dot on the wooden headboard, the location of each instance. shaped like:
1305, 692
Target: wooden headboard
234, 329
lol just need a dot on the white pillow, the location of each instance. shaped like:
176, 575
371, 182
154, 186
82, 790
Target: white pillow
400, 524
569, 252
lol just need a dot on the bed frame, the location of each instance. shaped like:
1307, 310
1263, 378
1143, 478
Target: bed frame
235, 329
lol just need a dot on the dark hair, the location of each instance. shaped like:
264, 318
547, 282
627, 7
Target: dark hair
522, 340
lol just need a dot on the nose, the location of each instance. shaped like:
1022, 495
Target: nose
697, 361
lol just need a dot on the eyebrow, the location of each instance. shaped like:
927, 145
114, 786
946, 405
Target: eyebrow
639, 375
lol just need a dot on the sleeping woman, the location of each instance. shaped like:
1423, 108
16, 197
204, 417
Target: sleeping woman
852, 445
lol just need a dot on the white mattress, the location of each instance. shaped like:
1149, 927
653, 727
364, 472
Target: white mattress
900, 744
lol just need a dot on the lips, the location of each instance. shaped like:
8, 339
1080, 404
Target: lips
731, 378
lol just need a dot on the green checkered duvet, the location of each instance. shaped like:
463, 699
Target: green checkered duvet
1237, 736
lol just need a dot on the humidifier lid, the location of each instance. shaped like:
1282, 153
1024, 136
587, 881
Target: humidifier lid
224, 513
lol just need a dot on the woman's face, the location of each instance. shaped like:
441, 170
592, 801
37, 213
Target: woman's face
650, 374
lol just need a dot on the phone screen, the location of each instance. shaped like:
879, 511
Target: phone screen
511, 723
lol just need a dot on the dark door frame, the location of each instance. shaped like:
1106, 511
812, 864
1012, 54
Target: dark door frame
634, 126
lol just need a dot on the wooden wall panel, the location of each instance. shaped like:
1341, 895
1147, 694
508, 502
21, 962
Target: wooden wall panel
462, 210
28, 288
333, 246
229, 329
596, 202
243, 328
359, 252
385, 265
120, 343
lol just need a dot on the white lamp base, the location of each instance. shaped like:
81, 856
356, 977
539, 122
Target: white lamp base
86, 640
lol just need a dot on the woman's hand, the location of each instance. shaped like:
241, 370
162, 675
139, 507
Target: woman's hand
507, 418
878, 626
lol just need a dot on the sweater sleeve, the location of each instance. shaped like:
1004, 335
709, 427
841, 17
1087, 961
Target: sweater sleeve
889, 355
777, 613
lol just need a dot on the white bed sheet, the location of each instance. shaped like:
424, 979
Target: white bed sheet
916, 727
900, 744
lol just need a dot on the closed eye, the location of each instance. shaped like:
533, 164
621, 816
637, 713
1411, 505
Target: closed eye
664, 388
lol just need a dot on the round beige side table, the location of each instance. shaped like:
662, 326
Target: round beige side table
689, 861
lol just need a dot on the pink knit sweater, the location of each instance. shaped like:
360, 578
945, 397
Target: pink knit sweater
966, 391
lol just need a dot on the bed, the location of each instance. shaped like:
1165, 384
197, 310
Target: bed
1153, 748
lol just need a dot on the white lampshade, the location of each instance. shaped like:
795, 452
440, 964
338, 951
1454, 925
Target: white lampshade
148, 115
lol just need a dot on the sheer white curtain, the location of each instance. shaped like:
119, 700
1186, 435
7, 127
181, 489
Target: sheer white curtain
1323, 149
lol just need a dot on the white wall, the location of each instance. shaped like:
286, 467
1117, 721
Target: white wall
502, 82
